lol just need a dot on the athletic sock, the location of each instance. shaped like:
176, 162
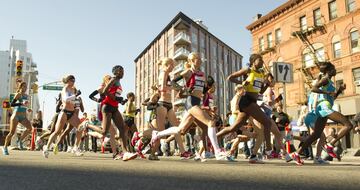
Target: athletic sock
213, 138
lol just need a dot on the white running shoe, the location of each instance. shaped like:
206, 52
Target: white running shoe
78, 152
45, 152
221, 156
69, 149
129, 156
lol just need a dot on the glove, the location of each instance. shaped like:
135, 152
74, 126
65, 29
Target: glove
100, 100
119, 99
123, 102
78, 93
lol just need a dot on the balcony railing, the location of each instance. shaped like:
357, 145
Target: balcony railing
182, 39
181, 53
179, 67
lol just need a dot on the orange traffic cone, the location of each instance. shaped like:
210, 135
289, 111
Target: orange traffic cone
33, 137
103, 145
288, 146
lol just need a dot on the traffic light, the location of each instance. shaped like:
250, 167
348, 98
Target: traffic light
35, 88
6, 104
19, 66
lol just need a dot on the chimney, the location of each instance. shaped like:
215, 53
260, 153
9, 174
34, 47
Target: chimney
257, 17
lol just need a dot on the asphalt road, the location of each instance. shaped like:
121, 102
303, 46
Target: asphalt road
29, 170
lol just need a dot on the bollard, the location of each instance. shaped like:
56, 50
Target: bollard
33, 137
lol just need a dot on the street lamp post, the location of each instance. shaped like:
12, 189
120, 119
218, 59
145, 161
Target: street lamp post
224, 91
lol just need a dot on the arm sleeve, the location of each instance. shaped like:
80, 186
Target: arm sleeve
93, 94
13, 103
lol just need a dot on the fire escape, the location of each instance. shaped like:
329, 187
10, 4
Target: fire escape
303, 35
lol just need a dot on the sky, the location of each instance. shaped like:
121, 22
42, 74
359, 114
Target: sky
87, 37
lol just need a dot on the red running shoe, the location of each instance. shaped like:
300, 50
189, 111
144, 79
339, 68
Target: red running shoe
135, 138
186, 155
330, 150
297, 159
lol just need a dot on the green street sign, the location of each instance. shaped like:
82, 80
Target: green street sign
12, 95
47, 87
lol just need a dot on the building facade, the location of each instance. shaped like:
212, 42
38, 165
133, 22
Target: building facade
180, 37
18, 51
303, 31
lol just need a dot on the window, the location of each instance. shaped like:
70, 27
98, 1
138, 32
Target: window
356, 74
336, 45
277, 36
317, 17
261, 44
354, 38
339, 79
350, 5
269, 40
303, 23
194, 41
332, 10
308, 58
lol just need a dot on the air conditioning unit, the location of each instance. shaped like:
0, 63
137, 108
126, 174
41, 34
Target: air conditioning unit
357, 83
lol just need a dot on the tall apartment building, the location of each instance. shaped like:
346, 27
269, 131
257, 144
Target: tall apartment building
332, 29
4, 74
180, 37
18, 51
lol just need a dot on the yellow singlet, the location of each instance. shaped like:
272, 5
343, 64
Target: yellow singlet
255, 81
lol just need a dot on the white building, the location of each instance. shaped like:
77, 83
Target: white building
18, 51
4, 74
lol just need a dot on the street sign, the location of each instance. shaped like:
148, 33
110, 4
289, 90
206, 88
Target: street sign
12, 95
283, 72
48, 87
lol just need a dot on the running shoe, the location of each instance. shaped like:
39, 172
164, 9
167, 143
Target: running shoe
221, 156
320, 161
185, 155
330, 150
20, 144
154, 138
209, 155
287, 157
69, 149
56, 149
5, 151
78, 152
255, 160
45, 152
153, 157
297, 159
197, 157
141, 155
135, 138
271, 154
129, 156
117, 156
